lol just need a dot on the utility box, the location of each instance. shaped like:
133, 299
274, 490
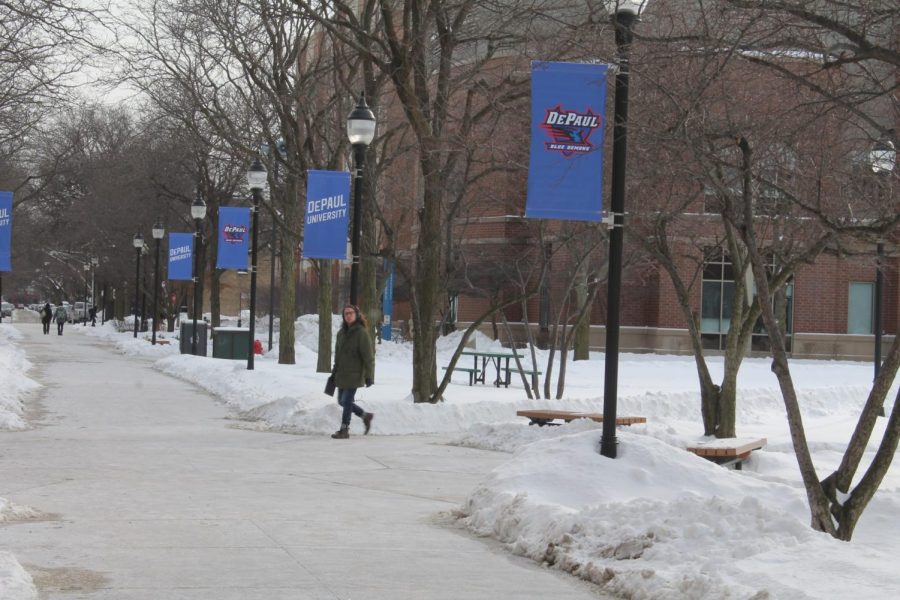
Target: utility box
231, 343
185, 343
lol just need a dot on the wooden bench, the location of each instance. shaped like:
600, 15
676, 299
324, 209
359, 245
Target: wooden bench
728, 451
546, 417
473, 373
162, 342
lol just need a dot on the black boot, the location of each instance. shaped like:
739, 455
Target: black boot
367, 421
341, 434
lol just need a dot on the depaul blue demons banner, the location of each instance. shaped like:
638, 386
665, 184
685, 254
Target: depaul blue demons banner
234, 238
5, 230
181, 254
327, 215
565, 172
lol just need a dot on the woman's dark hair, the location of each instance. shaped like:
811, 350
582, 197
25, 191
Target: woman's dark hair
359, 316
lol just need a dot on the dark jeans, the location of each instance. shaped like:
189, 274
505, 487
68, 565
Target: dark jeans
59, 326
46, 325
345, 399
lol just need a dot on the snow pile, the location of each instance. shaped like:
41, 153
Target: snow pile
16, 385
15, 582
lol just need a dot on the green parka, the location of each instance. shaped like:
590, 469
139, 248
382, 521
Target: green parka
354, 358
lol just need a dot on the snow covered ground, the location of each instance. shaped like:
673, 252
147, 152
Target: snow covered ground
656, 523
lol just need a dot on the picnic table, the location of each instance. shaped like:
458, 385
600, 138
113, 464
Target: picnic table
500, 362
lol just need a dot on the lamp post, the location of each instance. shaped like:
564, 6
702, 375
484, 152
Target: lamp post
158, 232
882, 159
198, 213
87, 272
95, 262
272, 282
624, 13
256, 181
138, 243
361, 132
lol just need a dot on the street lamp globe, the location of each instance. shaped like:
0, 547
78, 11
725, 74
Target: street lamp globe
256, 176
87, 267
361, 124
158, 231
883, 156
633, 7
138, 241
198, 208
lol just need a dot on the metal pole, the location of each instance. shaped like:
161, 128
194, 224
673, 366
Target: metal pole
155, 294
623, 22
879, 309
272, 282
196, 278
359, 154
253, 261
137, 288
84, 310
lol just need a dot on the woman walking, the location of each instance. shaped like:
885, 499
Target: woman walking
354, 366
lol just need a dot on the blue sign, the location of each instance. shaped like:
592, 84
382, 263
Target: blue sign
234, 238
5, 230
327, 215
388, 302
181, 253
565, 172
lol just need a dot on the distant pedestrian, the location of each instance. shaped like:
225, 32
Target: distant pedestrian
46, 317
60, 316
354, 366
92, 312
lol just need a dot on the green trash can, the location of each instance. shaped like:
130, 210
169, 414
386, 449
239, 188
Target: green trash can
231, 343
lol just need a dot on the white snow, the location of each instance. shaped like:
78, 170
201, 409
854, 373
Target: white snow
655, 523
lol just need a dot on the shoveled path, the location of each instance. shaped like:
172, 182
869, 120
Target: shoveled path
148, 492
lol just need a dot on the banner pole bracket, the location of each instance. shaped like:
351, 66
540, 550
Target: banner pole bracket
610, 220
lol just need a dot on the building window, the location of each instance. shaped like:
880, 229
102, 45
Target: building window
718, 292
717, 296
859, 308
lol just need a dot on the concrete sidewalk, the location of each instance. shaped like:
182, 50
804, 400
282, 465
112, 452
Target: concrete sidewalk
150, 493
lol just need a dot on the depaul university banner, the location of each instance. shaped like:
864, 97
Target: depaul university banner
234, 241
181, 253
565, 172
327, 214
5, 230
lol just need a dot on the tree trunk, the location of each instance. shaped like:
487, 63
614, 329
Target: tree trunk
325, 311
428, 285
582, 349
290, 240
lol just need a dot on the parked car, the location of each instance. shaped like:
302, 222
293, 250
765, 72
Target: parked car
6, 308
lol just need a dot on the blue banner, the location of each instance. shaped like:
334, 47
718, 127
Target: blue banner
5, 230
327, 215
181, 254
234, 238
565, 172
388, 303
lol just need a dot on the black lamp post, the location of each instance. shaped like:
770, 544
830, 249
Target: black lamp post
87, 273
882, 159
624, 14
256, 180
158, 232
282, 150
95, 262
361, 132
138, 243
198, 213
